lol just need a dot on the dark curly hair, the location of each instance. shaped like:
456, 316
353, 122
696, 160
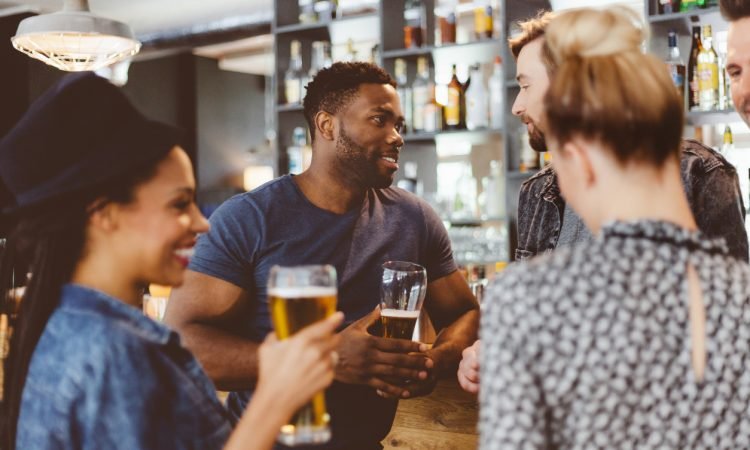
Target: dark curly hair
734, 9
335, 86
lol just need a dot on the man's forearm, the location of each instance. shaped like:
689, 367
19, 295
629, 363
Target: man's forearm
231, 361
454, 339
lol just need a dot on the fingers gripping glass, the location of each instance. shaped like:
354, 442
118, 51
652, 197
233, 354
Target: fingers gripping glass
298, 297
402, 293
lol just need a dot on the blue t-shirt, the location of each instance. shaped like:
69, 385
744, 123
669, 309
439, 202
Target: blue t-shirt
103, 375
277, 224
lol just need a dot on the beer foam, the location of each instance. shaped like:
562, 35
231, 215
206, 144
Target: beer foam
306, 291
398, 313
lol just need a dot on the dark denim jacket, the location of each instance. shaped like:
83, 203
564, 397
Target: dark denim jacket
710, 182
104, 376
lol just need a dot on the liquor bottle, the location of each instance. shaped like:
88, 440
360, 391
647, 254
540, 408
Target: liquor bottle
477, 101
433, 112
420, 94
297, 152
727, 146
351, 52
327, 58
375, 54
445, 32
307, 11
688, 5
675, 64
293, 76
455, 108
546, 159
692, 69
708, 73
669, 6
497, 104
483, 25
404, 93
415, 23
494, 190
316, 63
325, 10
317, 58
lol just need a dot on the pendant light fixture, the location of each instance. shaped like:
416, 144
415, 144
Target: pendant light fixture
74, 39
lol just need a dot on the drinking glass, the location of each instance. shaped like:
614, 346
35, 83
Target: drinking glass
297, 297
402, 292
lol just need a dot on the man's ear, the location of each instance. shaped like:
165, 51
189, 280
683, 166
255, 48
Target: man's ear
580, 159
325, 125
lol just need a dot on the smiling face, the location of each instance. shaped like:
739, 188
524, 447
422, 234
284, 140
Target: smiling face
157, 230
738, 65
368, 139
533, 80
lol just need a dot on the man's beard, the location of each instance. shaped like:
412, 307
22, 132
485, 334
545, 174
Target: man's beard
356, 165
537, 140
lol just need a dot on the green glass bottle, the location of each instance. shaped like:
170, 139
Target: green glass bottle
689, 5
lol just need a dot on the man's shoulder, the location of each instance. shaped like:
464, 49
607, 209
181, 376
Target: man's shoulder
259, 198
395, 197
539, 180
695, 153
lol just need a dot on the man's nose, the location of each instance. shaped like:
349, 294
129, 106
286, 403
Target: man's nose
518, 106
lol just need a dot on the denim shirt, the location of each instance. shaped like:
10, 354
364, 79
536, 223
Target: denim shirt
710, 183
104, 376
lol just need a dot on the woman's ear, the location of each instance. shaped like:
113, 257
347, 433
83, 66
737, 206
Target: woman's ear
103, 215
324, 124
579, 157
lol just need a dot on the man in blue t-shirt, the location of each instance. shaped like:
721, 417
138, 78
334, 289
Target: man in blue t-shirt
341, 211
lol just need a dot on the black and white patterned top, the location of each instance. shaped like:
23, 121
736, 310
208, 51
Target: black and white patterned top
589, 347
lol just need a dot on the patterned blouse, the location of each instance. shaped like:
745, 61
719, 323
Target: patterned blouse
589, 347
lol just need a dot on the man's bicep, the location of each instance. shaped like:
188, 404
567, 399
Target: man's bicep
448, 298
204, 299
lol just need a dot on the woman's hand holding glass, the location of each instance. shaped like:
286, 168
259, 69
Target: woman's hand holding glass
295, 369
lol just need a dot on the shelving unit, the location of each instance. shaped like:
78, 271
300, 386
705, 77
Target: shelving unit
711, 117
428, 149
682, 23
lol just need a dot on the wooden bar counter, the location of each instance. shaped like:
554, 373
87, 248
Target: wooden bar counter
443, 420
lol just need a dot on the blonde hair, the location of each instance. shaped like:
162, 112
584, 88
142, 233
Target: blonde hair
606, 88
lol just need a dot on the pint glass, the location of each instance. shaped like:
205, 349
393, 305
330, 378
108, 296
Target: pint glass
402, 292
297, 297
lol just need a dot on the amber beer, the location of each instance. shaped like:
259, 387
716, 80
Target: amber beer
398, 324
402, 291
293, 308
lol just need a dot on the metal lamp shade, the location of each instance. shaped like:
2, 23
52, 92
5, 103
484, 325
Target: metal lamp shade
75, 41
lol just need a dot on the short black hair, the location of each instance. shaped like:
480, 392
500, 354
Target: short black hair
333, 87
734, 9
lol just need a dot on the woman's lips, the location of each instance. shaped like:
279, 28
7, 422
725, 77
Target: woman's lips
183, 255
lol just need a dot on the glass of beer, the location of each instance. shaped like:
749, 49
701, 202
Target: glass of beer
402, 293
298, 297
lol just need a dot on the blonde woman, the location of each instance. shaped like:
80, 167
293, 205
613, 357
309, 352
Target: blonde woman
639, 339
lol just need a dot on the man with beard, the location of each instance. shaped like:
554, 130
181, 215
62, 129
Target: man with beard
341, 211
544, 221
738, 53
